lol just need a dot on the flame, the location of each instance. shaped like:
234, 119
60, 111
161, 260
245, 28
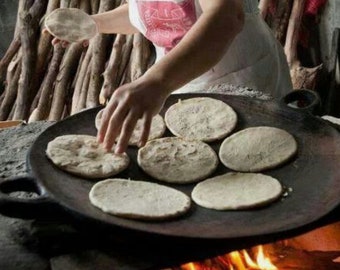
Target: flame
235, 260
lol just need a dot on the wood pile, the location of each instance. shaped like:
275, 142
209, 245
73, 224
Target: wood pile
39, 81
290, 21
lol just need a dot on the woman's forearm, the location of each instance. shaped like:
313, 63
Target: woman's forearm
115, 21
202, 47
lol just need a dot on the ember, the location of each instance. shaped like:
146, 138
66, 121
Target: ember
236, 260
276, 256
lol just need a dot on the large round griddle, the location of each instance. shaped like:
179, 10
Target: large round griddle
312, 177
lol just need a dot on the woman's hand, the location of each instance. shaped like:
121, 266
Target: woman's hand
63, 43
128, 104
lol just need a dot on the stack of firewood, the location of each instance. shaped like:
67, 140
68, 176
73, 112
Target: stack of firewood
39, 81
287, 19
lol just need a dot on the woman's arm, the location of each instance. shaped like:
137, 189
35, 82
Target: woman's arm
115, 21
200, 49
203, 46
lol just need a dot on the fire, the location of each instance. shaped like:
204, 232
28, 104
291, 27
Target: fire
236, 260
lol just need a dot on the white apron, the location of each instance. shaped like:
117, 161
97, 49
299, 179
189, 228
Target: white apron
255, 59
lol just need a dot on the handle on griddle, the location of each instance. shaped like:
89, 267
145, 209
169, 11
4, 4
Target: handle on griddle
303, 100
39, 206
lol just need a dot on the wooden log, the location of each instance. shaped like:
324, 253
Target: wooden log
94, 6
111, 71
99, 53
81, 103
80, 81
74, 3
67, 70
4, 62
14, 69
263, 7
65, 3
111, 75
82, 67
293, 31
44, 53
305, 77
126, 53
86, 6
29, 29
140, 55
141, 59
281, 19
43, 107
14, 45
11, 114
302, 77
21, 6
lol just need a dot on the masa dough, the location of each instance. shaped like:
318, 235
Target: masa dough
82, 155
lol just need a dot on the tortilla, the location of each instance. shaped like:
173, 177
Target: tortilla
257, 148
176, 160
71, 24
83, 156
332, 119
139, 199
157, 128
204, 119
234, 191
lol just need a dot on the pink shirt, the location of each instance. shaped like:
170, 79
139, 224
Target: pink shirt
254, 59
164, 23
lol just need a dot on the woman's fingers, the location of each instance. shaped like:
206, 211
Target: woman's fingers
114, 126
55, 41
109, 110
147, 120
63, 43
126, 131
85, 43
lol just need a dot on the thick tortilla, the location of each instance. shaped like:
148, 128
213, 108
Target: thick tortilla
71, 24
138, 199
204, 119
233, 191
176, 160
257, 148
82, 155
157, 128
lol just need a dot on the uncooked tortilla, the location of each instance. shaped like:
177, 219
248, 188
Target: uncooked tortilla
257, 148
71, 24
176, 160
139, 199
204, 119
82, 155
233, 191
157, 128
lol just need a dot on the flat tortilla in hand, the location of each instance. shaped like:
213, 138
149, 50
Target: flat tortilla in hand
71, 24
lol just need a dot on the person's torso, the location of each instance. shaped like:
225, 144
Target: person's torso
165, 22
254, 50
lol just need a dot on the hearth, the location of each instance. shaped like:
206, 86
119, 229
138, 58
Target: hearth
315, 250
62, 244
